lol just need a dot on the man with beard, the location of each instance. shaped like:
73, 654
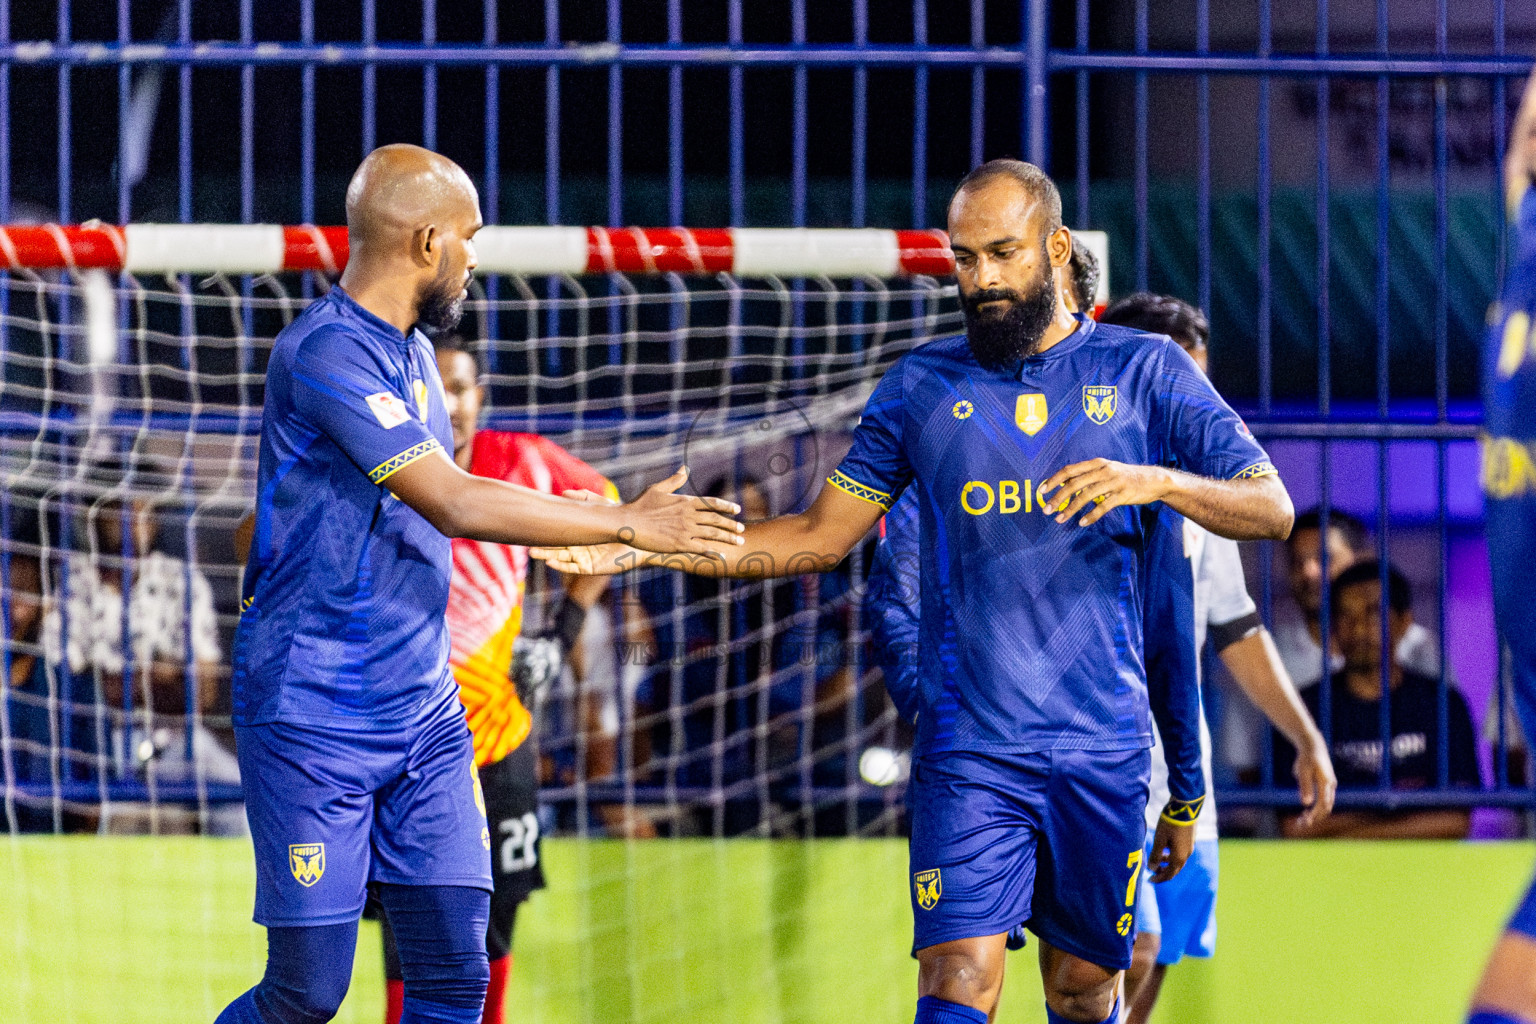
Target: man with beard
1028, 441
354, 754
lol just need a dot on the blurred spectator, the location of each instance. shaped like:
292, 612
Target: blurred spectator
1298, 638
21, 589
83, 629
1415, 745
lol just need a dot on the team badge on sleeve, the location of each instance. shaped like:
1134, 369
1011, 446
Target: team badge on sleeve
1030, 413
307, 862
388, 409
928, 885
1099, 402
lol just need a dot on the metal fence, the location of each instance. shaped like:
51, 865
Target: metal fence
1324, 181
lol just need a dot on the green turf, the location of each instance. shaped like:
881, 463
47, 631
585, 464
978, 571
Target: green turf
158, 930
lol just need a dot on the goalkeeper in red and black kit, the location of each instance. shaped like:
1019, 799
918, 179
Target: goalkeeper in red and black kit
500, 672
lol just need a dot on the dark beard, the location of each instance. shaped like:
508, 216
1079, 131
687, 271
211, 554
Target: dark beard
1001, 339
441, 308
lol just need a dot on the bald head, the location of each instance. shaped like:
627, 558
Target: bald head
401, 189
411, 220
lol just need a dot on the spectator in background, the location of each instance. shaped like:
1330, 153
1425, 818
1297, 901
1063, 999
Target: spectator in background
21, 588
83, 629
1299, 639
1415, 745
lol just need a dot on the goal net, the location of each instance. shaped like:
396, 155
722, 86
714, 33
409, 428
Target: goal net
130, 409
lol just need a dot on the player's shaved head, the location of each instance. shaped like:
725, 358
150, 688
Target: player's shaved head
400, 189
411, 218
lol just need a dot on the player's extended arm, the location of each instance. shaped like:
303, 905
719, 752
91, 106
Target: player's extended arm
1256, 508
1255, 664
460, 504
815, 540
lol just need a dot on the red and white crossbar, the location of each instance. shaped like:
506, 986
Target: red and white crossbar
271, 248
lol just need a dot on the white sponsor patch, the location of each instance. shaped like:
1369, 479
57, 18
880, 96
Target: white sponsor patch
388, 409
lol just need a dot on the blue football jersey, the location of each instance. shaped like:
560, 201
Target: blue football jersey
1030, 636
1509, 457
342, 604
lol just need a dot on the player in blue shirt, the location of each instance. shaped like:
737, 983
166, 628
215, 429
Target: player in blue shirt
354, 753
1170, 649
1507, 994
1026, 441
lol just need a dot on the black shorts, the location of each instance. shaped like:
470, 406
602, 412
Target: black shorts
511, 788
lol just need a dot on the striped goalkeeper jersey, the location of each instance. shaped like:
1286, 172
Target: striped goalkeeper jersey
485, 598
1030, 633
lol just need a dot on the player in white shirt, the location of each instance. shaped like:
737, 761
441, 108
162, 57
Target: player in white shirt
1177, 918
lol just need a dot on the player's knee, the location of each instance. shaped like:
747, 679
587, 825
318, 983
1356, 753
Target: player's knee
961, 976
312, 1003
457, 980
1081, 991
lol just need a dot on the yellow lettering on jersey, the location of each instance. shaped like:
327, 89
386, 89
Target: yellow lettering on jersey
1009, 496
1030, 413
965, 498
307, 862
1517, 342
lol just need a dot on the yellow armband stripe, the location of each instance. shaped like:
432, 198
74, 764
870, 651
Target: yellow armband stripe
384, 470
843, 482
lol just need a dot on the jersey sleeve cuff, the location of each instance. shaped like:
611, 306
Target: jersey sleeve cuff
1183, 812
844, 482
384, 470
1258, 469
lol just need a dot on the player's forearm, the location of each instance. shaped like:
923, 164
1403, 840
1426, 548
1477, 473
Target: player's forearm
1255, 664
1254, 509
786, 546
480, 508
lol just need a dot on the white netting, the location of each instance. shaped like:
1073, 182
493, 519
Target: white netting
129, 415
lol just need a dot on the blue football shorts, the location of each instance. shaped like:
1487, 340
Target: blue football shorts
332, 810
1182, 910
1052, 839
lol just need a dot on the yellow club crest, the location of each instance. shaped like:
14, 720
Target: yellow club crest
1030, 413
1099, 402
928, 885
1123, 926
963, 410
307, 862
420, 389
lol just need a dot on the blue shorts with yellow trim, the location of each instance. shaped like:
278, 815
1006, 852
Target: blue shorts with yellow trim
1182, 910
1051, 839
332, 810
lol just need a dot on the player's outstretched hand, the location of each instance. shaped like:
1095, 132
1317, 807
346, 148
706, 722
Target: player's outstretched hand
1315, 782
666, 522
1108, 483
590, 559
1171, 846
